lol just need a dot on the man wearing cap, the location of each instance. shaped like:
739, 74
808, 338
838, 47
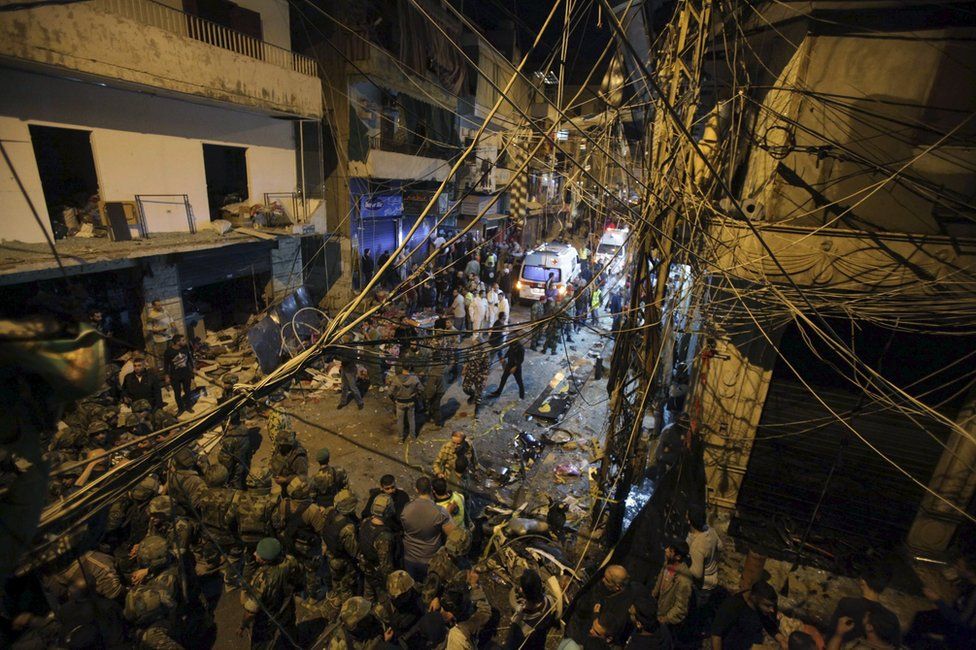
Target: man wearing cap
278, 419
425, 524
290, 459
449, 566
342, 549
328, 480
183, 479
404, 390
216, 505
377, 547
138, 422
274, 583
357, 628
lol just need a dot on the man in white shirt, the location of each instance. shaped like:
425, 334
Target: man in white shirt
492, 298
440, 240
504, 307
705, 548
477, 310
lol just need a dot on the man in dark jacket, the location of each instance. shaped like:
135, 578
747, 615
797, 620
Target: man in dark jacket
514, 358
142, 383
178, 364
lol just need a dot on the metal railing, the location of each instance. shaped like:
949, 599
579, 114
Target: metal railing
299, 210
172, 20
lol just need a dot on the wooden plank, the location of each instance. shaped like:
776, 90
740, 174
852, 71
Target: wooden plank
256, 233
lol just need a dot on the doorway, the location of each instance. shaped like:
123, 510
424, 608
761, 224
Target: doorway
226, 171
67, 169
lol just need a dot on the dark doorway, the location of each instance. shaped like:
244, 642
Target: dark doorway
67, 169
226, 170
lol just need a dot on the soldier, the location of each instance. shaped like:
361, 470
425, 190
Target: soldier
339, 534
537, 313
278, 420
128, 517
254, 511
377, 547
97, 570
475, 373
290, 459
357, 628
328, 480
456, 460
404, 390
183, 479
138, 421
153, 604
564, 308
227, 387
271, 595
216, 506
300, 523
404, 607
235, 451
435, 385
449, 566
552, 328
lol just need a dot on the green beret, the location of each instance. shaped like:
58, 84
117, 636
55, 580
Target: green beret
322, 455
269, 549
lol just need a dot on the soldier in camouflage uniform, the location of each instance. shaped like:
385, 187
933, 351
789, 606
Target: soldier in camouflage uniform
183, 479
235, 451
475, 372
448, 566
278, 420
254, 513
339, 535
272, 592
357, 628
328, 480
97, 570
404, 606
128, 517
153, 604
552, 328
139, 422
216, 506
377, 547
436, 384
537, 313
227, 387
290, 459
456, 460
299, 523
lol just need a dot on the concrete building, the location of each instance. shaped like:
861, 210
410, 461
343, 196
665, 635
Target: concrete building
860, 182
149, 117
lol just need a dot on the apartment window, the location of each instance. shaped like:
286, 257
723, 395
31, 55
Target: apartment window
226, 172
308, 153
67, 169
228, 14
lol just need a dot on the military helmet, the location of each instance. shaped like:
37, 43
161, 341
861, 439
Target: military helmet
153, 552
269, 549
184, 458
258, 482
286, 437
345, 502
353, 611
141, 406
146, 489
382, 505
230, 379
322, 455
216, 475
96, 427
458, 542
398, 583
298, 488
277, 396
161, 505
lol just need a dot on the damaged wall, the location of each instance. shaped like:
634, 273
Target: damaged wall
141, 144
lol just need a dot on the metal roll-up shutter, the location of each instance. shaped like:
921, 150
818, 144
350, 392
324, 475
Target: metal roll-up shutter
867, 501
215, 265
378, 235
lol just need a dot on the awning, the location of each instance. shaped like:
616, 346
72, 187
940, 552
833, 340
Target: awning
399, 166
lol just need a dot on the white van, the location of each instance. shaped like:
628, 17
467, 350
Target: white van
561, 260
613, 240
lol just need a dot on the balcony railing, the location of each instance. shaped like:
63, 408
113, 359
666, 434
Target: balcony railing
172, 20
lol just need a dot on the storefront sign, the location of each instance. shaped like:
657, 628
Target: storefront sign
380, 205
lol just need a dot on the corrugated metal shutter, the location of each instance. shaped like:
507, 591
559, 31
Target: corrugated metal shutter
202, 268
867, 499
378, 235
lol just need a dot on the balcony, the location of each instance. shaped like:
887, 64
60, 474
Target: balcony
145, 43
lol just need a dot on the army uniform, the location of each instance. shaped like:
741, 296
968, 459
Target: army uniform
272, 589
254, 512
299, 524
235, 454
128, 517
183, 480
435, 385
327, 480
290, 459
448, 566
339, 535
153, 607
377, 547
455, 462
475, 375
537, 313
98, 570
552, 329
278, 421
357, 628
138, 422
216, 506
402, 607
